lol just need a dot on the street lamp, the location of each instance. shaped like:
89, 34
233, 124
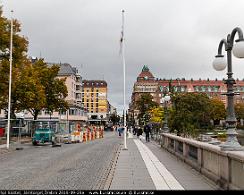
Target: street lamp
10, 80
220, 64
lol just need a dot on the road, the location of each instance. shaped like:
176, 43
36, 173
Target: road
81, 166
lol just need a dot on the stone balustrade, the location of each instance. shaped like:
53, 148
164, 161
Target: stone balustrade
224, 168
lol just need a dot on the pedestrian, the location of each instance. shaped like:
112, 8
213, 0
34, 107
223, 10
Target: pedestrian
134, 130
139, 132
147, 131
120, 130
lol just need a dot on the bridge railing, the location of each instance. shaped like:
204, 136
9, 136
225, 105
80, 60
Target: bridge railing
224, 168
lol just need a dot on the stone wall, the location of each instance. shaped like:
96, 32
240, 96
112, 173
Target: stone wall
224, 168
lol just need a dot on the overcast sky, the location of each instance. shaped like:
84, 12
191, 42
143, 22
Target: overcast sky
175, 38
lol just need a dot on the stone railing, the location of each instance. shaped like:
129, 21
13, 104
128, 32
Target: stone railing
224, 168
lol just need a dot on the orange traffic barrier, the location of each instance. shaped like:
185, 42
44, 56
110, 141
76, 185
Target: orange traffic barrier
84, 137
95, 133
92, 135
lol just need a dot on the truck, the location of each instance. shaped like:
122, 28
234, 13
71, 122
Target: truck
43, 135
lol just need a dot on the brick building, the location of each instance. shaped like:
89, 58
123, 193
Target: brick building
147, 83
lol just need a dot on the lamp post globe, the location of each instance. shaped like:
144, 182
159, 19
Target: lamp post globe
219, 63
238, 49
167, 98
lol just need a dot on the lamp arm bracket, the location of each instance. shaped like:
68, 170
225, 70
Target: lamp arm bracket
222, 42
232, 36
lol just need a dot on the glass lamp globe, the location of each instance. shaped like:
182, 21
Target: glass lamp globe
162, 100
219, 63
167, 98
238, 49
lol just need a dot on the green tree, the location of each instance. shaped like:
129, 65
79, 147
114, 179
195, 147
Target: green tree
55, 89
115, 118
144, 104
30, 92
20, 45
217, 110
190, 113
239, 110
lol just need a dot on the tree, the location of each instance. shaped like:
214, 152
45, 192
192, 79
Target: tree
217, 110
157, 115
114, 118
239, 110
55, 89
20, 45
190, 113
144, 104
30, 92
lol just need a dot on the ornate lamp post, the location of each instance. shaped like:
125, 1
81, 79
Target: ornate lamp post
219, 64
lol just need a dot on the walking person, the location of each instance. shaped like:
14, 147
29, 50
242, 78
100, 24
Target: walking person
147, 131
139, 132
120, 130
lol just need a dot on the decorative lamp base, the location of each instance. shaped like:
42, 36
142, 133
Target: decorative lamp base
231, 144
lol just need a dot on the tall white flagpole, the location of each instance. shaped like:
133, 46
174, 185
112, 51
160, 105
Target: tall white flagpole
10, 79
123, 58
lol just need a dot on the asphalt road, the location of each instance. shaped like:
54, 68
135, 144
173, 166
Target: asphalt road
81, 166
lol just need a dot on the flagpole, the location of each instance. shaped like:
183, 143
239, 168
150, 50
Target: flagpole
10, 79
123, 59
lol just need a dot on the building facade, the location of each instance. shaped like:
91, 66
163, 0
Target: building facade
147, 83
94, 98
66, 120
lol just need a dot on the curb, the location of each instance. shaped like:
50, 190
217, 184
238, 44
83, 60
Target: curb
110, 175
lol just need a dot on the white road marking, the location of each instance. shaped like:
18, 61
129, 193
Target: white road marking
162, 178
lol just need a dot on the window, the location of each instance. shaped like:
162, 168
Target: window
203, 88
46, 112
209, 89
72, 111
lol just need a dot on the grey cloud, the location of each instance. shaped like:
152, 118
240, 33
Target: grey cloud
174, 38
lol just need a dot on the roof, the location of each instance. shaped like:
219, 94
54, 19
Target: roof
94, 83
145, 75
67, 69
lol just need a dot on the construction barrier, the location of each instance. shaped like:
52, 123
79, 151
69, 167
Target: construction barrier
78, 137
84, 137
97, 134
72, 138
92, 135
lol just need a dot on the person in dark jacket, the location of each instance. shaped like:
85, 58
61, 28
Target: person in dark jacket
147, 131
139, 132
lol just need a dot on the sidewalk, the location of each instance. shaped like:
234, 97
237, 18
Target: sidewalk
146, 166
14, 144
